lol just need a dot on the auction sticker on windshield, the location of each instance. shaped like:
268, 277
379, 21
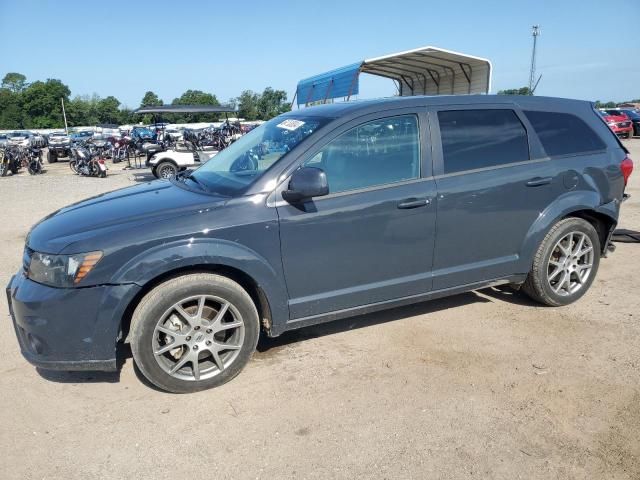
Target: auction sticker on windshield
290, 124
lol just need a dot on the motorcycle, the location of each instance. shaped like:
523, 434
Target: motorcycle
84, 162
9, 161
33, 160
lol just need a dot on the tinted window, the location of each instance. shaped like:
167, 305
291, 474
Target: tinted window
375, 153
563, 133
481, 138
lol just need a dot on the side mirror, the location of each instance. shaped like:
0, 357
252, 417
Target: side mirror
305, 183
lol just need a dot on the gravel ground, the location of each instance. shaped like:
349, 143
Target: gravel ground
480, 385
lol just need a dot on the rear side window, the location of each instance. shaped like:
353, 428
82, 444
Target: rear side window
474, 139
563, 133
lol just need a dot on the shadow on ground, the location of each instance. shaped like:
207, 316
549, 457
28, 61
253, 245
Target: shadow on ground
266, 344
623, 235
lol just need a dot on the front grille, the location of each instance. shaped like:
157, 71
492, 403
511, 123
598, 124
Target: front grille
624, 124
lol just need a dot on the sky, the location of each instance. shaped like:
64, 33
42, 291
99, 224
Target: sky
588, 49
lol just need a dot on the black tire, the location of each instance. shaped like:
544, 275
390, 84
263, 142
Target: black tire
166, 169
73, 166
537, 286
52, 157
154, 305
34, 167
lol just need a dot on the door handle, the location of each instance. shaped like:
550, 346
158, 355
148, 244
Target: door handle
538, 181
414, 203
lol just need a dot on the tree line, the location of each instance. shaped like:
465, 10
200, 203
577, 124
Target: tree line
598, 103
38, 105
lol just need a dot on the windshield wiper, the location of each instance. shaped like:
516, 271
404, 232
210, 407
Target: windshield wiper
194, 179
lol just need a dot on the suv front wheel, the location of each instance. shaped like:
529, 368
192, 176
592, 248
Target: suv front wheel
194, 332
565, 263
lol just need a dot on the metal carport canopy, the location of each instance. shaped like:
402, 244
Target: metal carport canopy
422, 71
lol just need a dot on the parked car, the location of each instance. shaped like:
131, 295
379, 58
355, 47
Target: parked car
317, 215
22, 138
140, 135
3, 139
634, 116
81, 136
619, 123
59, 146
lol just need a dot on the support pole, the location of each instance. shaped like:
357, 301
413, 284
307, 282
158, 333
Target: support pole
64, 114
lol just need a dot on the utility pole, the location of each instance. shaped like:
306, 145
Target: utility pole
535, 32
66, 128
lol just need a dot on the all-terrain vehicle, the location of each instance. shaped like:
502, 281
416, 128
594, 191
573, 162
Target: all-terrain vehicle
59, 146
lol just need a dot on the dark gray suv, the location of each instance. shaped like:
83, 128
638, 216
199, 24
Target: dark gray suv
321, 214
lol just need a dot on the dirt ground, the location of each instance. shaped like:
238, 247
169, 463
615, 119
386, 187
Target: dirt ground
480, 385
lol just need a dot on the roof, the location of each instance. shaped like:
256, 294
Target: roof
363, 107
186, 109
421, 71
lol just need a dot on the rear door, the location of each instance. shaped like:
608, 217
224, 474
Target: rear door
371, 239
493, 181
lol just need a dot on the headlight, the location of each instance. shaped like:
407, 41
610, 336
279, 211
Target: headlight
61, 270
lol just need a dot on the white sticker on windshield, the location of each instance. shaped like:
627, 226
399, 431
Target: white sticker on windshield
290, 124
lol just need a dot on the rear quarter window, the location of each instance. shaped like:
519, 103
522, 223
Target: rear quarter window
564, 133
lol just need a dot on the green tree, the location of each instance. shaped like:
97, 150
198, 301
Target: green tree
10, 109
16, 82
109, 110
516, 91
150, 99
194, 97
247, 105
41, 104
272, 103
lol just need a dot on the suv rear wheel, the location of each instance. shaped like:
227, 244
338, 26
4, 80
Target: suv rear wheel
565, 264
194, 332
52, 157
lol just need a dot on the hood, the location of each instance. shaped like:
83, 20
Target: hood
112, 212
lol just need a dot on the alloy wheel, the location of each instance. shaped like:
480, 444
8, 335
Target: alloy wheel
570, 263
198, 338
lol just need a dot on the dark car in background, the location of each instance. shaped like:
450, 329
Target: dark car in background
317, 215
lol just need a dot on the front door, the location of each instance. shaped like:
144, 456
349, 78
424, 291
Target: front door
371, 239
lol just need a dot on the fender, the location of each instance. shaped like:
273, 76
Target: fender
563, 206
167, 257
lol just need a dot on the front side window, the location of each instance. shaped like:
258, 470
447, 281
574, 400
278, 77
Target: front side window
473, 139
564, 134
234, 169
376, 153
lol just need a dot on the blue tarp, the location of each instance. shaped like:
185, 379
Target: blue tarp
337, 83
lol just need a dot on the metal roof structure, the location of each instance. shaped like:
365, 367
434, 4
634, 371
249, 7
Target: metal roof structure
186, 109
422, 71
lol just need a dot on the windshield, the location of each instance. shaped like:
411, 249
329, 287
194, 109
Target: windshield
236, 167
20, 134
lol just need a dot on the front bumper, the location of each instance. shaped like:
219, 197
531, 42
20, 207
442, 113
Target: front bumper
59, 148
68, 328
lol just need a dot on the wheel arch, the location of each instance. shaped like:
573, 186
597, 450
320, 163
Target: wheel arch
582, 204
247, 282
264, 283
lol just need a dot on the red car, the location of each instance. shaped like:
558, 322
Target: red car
619, 123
